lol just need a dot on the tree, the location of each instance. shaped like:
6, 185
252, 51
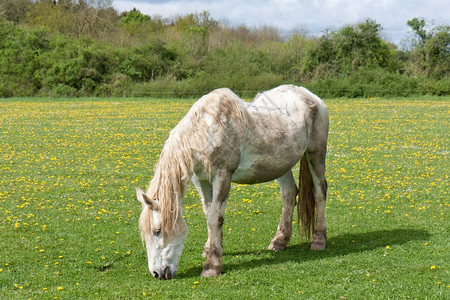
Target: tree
138, 25
74, 18
15, 10
348, 49
418, 26
92, 17
134, 16
430, 50
196, 22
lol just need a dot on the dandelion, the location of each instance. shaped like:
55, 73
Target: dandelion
388, 247
59, 288
433, 268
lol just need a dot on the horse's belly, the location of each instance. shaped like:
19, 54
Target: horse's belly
269, 153
255, 168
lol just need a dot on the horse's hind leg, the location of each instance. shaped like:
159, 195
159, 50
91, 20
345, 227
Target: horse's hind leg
317, 162
288, 190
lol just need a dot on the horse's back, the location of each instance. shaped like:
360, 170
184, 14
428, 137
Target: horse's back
292, 100
301, 106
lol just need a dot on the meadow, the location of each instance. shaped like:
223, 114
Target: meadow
68, 211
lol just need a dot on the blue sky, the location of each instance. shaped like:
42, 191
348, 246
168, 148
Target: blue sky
314, 16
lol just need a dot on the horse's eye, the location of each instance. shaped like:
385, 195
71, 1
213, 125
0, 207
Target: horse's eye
157, 232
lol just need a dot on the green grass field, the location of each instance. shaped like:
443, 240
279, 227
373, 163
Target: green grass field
68, 211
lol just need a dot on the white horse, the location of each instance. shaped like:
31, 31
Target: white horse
223, 139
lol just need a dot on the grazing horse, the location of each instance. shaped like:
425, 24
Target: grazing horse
221, 140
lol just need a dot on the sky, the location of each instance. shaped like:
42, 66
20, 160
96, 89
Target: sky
314, 16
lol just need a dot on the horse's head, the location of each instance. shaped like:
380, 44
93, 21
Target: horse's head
164, 245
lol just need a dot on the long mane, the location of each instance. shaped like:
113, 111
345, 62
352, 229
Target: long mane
187, 141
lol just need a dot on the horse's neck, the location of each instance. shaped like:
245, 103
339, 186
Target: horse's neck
172, 173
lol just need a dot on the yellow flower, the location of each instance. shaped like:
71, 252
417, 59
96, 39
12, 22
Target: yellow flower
59, 288
432, 267
387, 247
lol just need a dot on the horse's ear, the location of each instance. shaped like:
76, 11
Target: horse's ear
140, 197
145, 200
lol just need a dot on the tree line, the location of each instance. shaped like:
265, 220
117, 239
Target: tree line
86, 48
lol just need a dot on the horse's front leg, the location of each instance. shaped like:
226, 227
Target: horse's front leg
204, 188
215, 219
288, 191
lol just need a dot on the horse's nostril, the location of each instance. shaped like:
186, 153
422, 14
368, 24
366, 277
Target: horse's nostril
167, 274
155, 274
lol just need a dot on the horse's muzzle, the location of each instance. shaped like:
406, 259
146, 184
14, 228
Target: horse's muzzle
165, 273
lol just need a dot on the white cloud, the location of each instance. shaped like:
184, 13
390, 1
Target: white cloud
313, 15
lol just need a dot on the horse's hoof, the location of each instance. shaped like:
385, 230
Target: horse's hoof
277, 246
318, 246
319, 241
214, 272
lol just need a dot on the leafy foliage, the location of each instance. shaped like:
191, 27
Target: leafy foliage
348, 49
431, 50
83, 48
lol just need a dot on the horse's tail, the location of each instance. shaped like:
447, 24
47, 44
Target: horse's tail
306, 208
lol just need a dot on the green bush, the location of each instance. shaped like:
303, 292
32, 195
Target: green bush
195, 55
368, 83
